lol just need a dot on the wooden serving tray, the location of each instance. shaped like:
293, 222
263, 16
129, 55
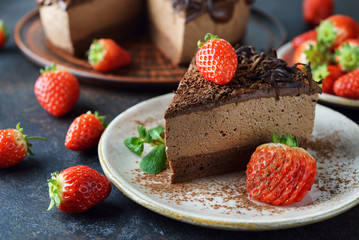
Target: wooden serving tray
149, 68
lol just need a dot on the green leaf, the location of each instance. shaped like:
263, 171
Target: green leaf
154, 161
156, 134
144, 134
135, 144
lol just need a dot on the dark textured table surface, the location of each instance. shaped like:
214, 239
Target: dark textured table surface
23, 190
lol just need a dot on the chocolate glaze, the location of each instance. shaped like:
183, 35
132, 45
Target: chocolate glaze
257, 76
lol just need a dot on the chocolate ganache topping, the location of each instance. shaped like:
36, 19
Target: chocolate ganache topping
219, 10
258, 75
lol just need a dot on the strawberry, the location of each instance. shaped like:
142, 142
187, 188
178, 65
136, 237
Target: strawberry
3, 33
106, 55
348, 85
329, 74
85, 131
309, 35
77, 189
14, 146
336, 29
315, 11
216, 59
347, 55
313, 52
280, 173
57, 91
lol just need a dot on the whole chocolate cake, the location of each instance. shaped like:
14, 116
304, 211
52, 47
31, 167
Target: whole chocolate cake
213, 129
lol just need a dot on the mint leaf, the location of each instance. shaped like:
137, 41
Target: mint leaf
156, 133
144, 134
135, 144
154, 161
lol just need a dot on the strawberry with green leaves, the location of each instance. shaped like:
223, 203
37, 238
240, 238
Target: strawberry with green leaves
280, 173
347, 55
312, 51
348, 85
77, 189
216, 59
85, 131
57, 91
106, 55
336, 29
14, 146
3, 33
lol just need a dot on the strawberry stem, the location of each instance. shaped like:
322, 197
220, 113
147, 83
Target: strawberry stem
51, 68
318, 54
53, 184
285, 139
320, 73
348, 57
326, 33
100, 118
95, 54
3, 28
26, 138
207, 37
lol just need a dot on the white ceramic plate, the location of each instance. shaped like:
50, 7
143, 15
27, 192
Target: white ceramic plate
286, 52
222, 201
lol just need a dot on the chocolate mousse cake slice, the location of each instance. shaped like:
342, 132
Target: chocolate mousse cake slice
176, 25
213, 129
71, 25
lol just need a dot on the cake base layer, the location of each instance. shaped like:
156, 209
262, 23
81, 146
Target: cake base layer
203, 165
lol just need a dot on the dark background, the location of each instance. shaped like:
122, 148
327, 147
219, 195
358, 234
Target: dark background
23, 189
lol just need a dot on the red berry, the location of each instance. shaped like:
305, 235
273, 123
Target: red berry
3, 33
14, 146
216, 60
310, 35
315, 11
85, 131
348, 85
313, 52
77, 189
329, 74
106, 55
57, 91
336, 29
328, 82
280, 173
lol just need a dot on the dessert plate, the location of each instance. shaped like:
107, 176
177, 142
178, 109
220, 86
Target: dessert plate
222, 201
286, 52
149, 69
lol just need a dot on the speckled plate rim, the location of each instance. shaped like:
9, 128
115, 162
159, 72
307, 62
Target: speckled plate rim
197, 219
286, 52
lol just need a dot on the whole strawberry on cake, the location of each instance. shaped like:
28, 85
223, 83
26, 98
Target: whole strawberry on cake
229, 102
